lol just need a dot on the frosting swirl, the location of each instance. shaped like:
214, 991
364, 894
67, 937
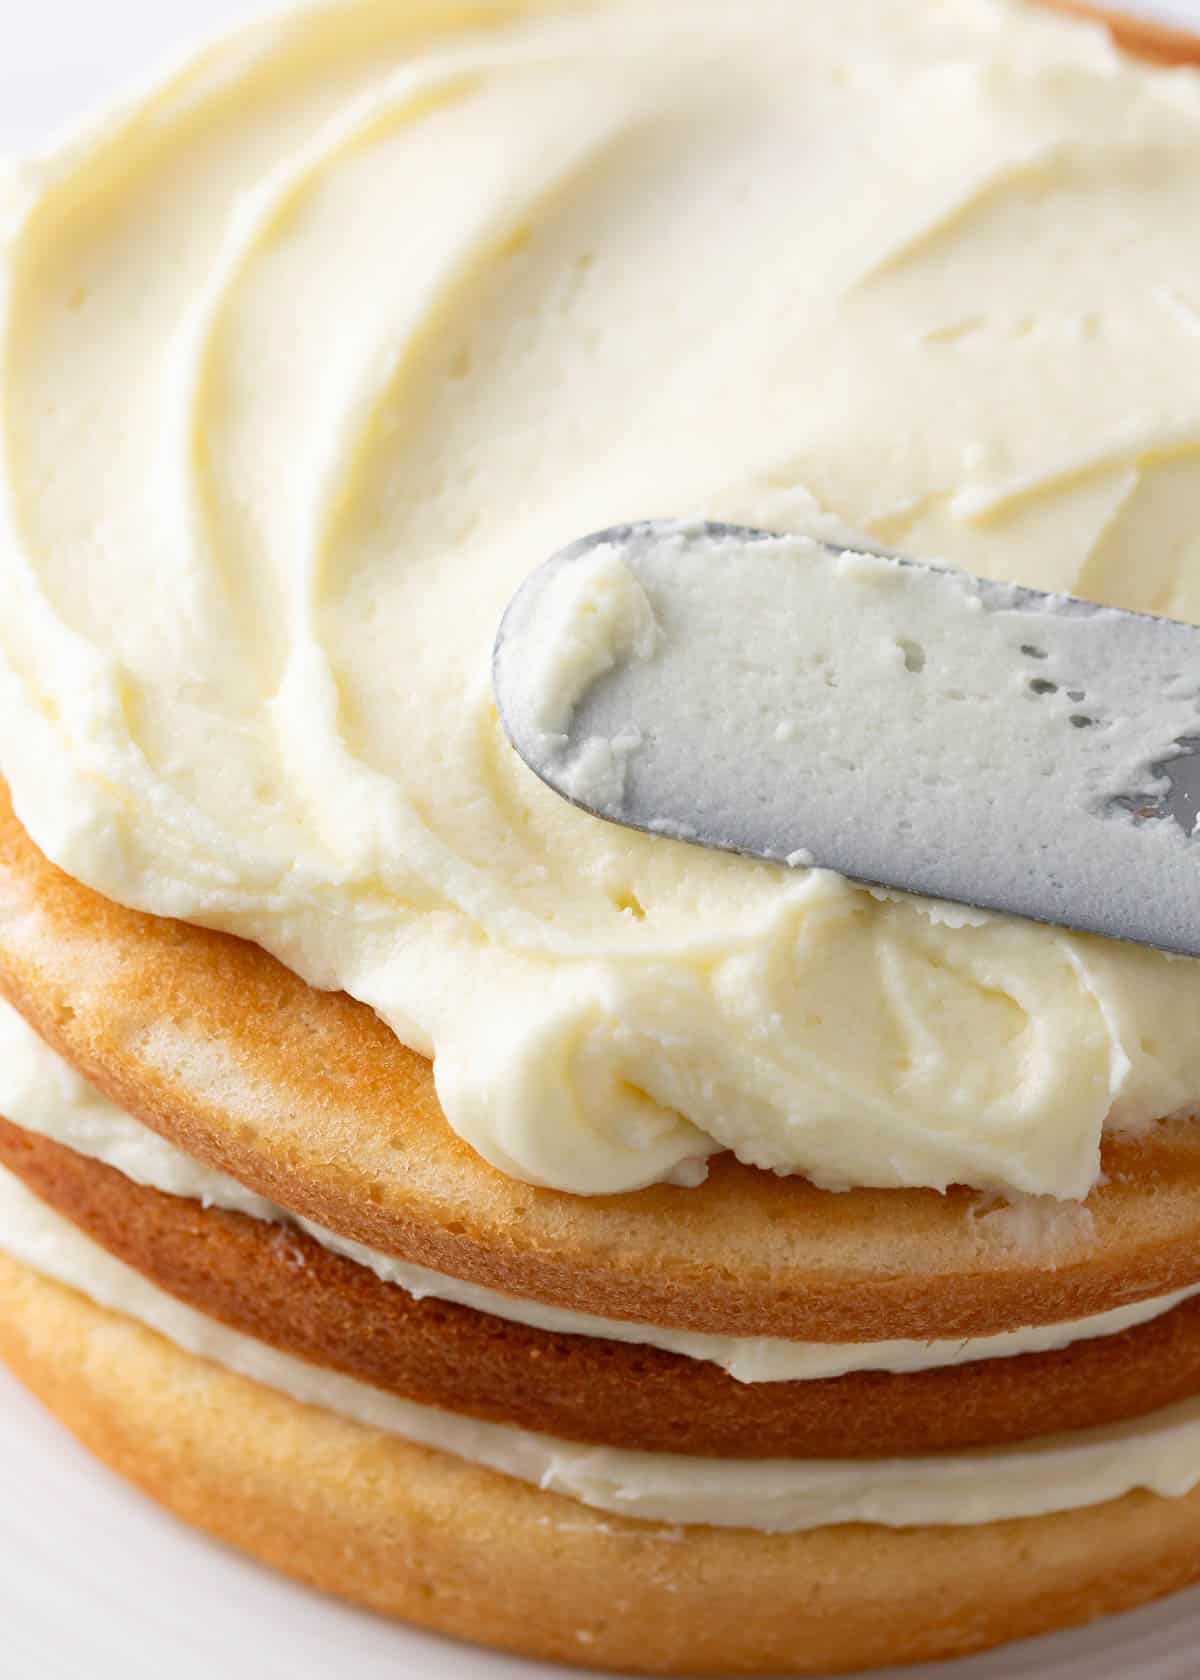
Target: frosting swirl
313, 352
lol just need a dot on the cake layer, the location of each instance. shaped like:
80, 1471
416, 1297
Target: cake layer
1152, 39
1051, 1474
307, 1099
452, 1547
278, 1285
41, 1093
1159, 1453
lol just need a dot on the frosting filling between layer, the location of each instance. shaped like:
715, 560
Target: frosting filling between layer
1160, 1453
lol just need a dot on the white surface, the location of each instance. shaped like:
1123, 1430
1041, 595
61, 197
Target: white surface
95, 1582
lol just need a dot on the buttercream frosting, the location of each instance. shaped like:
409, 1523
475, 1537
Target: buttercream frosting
1160, 1453
44, 1094
310, 354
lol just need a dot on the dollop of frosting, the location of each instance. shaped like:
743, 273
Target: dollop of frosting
314, 351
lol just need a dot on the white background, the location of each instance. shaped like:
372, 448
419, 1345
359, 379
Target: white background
97, 1584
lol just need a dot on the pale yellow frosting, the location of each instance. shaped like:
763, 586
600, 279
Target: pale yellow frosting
311, 354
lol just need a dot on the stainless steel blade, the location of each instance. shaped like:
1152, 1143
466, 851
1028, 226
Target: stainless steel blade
1062, 784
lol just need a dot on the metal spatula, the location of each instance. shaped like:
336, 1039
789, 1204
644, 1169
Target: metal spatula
910, 727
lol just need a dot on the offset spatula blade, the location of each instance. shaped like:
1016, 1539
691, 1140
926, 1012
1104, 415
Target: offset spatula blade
910, 727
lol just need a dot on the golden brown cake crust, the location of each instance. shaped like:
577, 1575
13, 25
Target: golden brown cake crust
308, 1098
278, 1285
1158, 43
461, 1550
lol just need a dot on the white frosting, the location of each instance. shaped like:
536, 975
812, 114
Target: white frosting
1160, 1453
592, 616
44, 1094
276, 453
